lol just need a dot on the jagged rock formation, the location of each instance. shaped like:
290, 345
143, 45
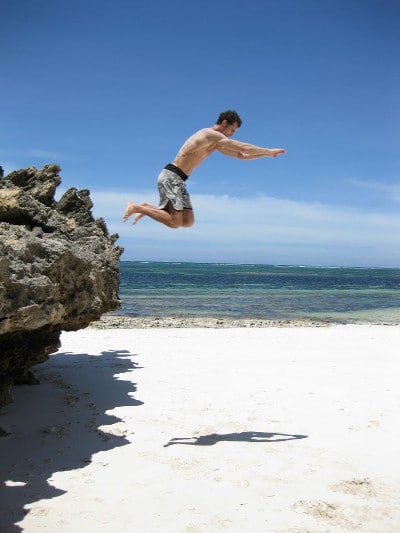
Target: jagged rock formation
59, 269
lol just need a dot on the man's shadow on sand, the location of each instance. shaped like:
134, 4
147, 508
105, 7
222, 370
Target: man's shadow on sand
244, 436
47, 439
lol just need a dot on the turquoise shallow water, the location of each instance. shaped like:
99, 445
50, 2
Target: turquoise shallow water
150, 289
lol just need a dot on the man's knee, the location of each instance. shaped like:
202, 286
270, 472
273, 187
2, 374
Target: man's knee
176, 220
174, 224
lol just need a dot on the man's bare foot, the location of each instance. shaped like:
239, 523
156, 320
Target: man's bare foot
131, 209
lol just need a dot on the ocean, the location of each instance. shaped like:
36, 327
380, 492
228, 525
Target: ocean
244, 291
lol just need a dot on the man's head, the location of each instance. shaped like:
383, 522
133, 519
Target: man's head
228, 122
230, 116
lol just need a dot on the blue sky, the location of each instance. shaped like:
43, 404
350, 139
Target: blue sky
109, 90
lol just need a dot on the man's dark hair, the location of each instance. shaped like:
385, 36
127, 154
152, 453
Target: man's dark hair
230, 116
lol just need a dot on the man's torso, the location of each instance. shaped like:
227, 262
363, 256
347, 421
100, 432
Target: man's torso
197, 148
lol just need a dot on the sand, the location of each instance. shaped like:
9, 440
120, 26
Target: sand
202, 430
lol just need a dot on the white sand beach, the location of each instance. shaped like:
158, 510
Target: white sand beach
202, 430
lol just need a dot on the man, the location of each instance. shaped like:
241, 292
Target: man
175, 209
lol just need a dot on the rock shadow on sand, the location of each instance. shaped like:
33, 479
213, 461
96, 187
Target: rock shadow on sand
47, 439
244, 436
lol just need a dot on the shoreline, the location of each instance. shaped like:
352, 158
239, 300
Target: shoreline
125, 322
148, 322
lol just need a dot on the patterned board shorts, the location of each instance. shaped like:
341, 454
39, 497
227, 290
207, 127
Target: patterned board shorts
172, 189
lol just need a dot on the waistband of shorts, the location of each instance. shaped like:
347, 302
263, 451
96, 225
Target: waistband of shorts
177, 171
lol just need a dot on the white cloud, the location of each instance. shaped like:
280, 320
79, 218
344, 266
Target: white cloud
259, 229
392, 190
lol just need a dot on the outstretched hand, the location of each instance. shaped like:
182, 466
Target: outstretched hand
278, 151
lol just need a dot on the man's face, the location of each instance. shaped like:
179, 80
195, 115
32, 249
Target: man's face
229, 129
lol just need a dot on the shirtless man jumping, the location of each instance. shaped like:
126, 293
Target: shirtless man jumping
175, 209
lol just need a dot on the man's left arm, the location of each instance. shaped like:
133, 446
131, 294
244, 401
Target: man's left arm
247, 151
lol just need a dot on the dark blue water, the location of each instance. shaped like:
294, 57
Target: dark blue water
151, 289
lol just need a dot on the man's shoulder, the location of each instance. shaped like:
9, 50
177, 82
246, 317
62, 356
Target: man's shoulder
209, 134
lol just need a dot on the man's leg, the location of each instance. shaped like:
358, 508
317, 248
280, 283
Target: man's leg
168, 216
188, 218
